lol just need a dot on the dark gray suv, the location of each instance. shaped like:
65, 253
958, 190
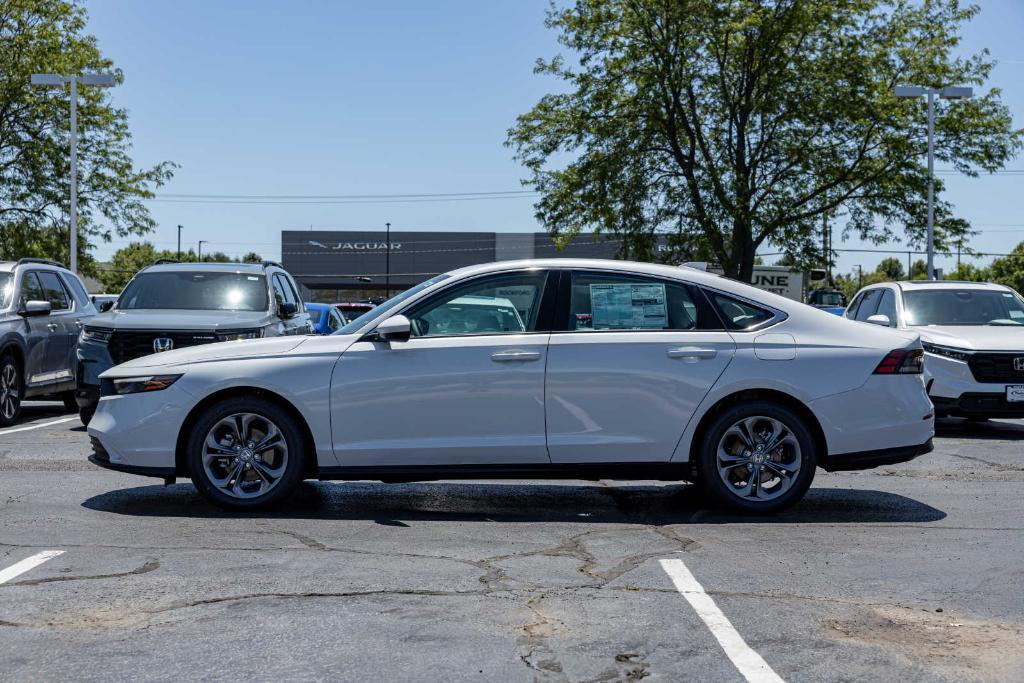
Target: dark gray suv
43, 306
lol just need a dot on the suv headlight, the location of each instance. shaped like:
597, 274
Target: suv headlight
100, 335
136, 385
947, 351
236, 335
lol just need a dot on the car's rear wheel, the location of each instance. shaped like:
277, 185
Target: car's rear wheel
245, 454
757, 457
10, 390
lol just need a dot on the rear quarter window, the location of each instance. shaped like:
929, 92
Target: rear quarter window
737, 314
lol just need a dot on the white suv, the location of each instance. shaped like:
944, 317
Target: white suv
973, 337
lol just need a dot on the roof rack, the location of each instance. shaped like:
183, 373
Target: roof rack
44, 261
161, 261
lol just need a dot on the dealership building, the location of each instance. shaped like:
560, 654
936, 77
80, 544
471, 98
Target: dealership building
353, 265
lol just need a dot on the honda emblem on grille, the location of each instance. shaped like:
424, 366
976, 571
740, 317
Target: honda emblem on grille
1018, 364
161, 344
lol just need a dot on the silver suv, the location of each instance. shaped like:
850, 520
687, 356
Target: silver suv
172, 305
43, 306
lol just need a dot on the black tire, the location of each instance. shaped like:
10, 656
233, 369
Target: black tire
266, 413
70, 404
728, 494
85, 414
12, 390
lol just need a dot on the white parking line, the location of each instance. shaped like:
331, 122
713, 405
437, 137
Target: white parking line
750, 664
20, 568
38, 426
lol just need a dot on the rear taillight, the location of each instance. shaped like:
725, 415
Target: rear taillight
902, 362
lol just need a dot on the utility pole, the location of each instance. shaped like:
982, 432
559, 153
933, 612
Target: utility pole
387, 262
200, 255
860, 276
59, 81
179, 242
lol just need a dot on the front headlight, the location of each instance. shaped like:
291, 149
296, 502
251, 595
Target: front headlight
136, 385
236, 335
947, 351
100, 335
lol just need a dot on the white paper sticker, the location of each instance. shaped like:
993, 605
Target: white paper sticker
628, 307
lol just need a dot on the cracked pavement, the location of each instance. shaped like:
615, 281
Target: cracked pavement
913, 572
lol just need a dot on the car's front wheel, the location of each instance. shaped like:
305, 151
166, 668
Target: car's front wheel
757, 457
10, 390
245, 454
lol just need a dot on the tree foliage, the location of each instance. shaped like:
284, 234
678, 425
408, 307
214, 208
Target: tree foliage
48, 36
726, 124
131, 259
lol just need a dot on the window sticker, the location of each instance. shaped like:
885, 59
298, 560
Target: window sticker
628, 307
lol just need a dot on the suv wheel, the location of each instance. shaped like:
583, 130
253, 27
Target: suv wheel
757, 457
245, 454
10, 390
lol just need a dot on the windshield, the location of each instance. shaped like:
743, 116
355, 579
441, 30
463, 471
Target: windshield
314, 315
196, 291
6, 289
391, 303
963, 307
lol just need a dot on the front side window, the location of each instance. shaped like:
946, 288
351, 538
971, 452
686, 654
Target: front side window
195, 291
887, 307
739, 315
611, 301
963, 307
282, 292
31, 290
53, 291
502, 304
868, 304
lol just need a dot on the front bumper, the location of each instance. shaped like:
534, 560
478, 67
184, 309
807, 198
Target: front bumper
954, 391
865, 460
93, 359
978, 404
101, 458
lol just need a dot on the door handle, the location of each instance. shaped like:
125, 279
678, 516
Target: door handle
692, 353
51, 326
514, 356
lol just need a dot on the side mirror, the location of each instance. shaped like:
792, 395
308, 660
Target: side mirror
879, 319
34, 308
105, 306
395, 328
287, 310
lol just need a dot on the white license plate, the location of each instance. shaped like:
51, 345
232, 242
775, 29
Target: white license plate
1015, 393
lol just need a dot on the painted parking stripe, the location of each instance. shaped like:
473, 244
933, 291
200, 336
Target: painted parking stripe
28, 563
750, 664
38, 426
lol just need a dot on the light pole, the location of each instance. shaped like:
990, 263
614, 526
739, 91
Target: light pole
58, 81
387, 262
179, 242
199, 256
860, 275
950, 93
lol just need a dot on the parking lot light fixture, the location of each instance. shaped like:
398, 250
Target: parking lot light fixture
58, 81
949, 93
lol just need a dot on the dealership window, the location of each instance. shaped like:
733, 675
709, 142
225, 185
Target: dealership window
502, 304
610, 301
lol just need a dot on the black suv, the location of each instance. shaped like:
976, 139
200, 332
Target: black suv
43, 306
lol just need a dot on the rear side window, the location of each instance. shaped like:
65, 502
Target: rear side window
868, 304
75, 286
612, 301
53, 291
739, 315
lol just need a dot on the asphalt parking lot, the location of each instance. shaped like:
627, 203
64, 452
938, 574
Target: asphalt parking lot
912, 572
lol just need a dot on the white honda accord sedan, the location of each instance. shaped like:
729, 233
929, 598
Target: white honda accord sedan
572, 369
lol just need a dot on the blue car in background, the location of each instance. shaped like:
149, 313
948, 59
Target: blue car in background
828, 299
324, 318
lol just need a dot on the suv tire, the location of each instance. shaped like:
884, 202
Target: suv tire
86, 414
757, 457
12, 388
245, 454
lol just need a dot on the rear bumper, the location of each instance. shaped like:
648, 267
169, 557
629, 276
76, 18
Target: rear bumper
865, 460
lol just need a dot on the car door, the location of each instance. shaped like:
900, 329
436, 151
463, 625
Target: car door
62, 327
467, 387
38, 363
632, 361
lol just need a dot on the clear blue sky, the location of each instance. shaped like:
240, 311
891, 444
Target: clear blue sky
364, 98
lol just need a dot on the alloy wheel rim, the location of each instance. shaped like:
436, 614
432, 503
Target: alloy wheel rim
758, 458
8, 391
244, 455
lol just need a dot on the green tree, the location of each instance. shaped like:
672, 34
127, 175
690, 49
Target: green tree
49, 36
969, 272
890, 268
919, 270
252, 257
727, 125
1009, 270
